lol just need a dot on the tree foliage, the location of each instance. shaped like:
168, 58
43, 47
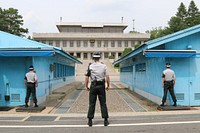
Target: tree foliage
126, 51
183, 19
155, 33
193, 15
11, 22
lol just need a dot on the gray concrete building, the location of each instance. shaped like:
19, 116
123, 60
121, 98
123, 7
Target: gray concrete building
82, 39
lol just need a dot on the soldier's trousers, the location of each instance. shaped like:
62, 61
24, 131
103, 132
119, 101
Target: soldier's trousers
169, 85
97, 90
31, 90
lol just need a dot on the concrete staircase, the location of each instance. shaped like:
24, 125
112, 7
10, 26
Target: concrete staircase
81, 70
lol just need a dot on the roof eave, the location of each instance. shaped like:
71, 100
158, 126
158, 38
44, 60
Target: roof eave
129, 55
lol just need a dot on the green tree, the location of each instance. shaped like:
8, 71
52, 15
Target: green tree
183, 19
177, 22
182, 12
193, 15
156, 33
11, 22
126, 51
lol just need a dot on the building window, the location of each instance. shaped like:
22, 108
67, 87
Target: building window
132, 43
105, 43
85, 55
99, 43
126, 44
71, 43
119, 55
72, 54
43, 41
51, 43
85, 43
78, 43
62, 71
91, 44
57, 43
106, 55
78, 55
119, 43
113, 55
140, 67
112, 43
64, 43
126, 69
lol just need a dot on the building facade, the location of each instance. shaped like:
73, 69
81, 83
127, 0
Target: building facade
141, 70
82, 39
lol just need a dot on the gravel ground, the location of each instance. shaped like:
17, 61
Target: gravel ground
115, 102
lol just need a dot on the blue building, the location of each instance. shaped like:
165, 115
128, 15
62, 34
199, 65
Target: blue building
142, 68
53, 66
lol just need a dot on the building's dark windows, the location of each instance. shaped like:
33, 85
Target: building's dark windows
119, 43
61, 70
98, 43
112, 43
125, 43
105, 43
85, 43
64, 43
78, 43
140, 67
51, 43
71, 43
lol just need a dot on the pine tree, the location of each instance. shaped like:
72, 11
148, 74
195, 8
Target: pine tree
193, 15
183, 19
182, 12
177, 22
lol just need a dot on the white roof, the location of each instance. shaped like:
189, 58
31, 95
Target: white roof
92, 35
90, 24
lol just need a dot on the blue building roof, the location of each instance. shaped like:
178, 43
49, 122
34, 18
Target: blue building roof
160, 41
11, 45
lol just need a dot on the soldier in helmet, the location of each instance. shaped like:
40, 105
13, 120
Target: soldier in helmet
168, 82
98, 74
31, 83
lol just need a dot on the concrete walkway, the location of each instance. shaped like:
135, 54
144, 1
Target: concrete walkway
118, 100
73, 98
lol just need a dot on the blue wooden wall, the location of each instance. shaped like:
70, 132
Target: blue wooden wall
145, 76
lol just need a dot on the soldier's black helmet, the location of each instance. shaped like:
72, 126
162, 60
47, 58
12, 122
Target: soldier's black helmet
96, 55
31, 67
168, 65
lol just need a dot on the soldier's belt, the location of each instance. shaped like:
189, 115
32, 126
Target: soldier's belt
98, 82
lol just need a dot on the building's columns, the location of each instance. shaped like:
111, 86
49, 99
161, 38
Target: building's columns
75, 54
109, 54
88, 56
102, 56
82, 56
116, 56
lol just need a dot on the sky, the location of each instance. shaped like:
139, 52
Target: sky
41, 16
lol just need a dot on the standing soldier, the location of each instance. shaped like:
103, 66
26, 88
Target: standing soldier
31, 83
168, 82
98, 74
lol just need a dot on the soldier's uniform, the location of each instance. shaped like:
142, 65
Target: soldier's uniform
30, 81
97, 72
168, 78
